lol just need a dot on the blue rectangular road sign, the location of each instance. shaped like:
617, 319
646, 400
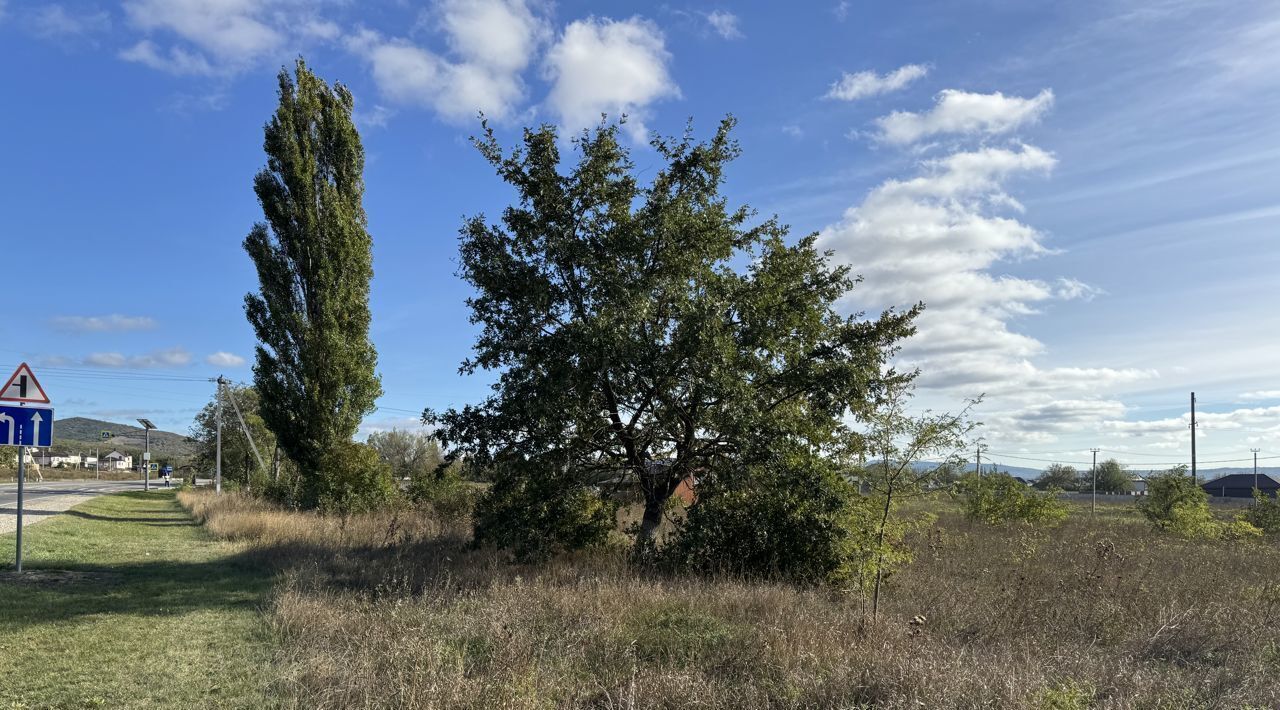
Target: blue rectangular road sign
26, 426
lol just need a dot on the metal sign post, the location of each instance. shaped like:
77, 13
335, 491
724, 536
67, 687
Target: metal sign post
22, 474
24, 426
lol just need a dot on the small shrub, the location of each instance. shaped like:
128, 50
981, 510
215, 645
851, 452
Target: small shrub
774, 520
538, 516
1265, 513
1066, 696
1177, 504
1000, 499
1173, 496
444, 491
353, 480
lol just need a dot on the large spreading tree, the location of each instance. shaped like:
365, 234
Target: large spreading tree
314, 371
645, 332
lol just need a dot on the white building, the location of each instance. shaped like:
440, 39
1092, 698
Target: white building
117, 461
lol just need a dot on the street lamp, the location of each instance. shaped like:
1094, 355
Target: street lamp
146, 456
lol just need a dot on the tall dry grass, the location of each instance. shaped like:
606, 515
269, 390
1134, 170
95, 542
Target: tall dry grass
391, 610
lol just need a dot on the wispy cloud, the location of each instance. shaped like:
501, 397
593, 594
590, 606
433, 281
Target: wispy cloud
961, 112
725, 24
1260, 395
171, 357
863, 84
114, 323
224, 359
54, 21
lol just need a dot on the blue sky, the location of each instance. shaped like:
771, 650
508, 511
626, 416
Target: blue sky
1085, 194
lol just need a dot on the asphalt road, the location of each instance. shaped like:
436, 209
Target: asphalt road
35, 492
42, 501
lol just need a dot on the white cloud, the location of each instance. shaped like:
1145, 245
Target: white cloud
113, 323
725, 24
175, 61
494, 41
965, 113
53, 21
172, 357
793, 130
841, 10
940, 237
614, 67
852, 87
224, 359
1260, 394
377, 117
234, 33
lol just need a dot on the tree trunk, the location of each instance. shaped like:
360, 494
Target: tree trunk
651, 521
884, 522
658, 489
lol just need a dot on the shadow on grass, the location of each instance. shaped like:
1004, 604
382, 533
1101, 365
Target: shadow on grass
160, 588
13, 512
142, 559
167, 521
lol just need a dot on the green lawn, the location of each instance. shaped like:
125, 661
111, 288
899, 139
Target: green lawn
126, 603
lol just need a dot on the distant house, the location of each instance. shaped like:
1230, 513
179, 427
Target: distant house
118, 461
1240, 485
1138, 485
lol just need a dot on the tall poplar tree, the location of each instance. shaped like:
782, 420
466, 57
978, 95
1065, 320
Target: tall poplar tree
315, 364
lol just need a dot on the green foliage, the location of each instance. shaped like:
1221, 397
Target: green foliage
897, 441
1265, 513
410, 455
789, 518
353, 480
238, 462
444, 490
536, 509
1179, 505
315, 365
1112, 478
1170, 495
1066, 696
1001, 499
646, 331
1059, 476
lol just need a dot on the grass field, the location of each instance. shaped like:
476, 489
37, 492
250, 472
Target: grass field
131, 605
127, 603
393, 610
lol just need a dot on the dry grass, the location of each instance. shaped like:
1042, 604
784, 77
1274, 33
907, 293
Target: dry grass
392, 610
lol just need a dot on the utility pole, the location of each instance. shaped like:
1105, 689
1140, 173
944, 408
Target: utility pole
217, 473
1255, 468
1193, 438
979, 447
1093, 505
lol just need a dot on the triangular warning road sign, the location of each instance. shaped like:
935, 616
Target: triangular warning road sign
23, 387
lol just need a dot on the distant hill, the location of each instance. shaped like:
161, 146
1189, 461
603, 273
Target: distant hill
77, 432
